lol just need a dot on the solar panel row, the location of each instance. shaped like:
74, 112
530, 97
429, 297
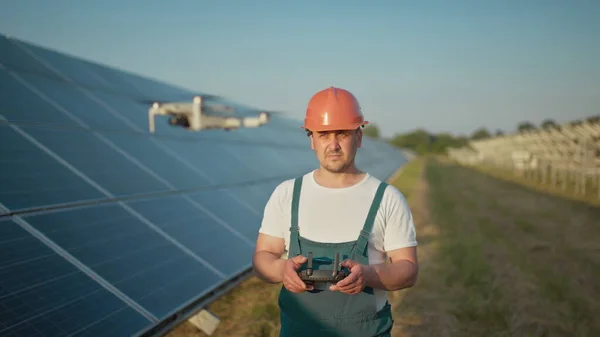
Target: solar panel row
107, 230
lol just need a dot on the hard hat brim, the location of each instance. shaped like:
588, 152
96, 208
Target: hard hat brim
317, 128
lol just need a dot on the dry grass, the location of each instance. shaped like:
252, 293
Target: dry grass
248, 310
568, 191
503, 260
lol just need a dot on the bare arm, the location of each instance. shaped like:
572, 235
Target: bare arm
402, 268
401, 272
267, 262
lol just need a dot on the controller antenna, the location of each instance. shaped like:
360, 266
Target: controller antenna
336, 261
309, 267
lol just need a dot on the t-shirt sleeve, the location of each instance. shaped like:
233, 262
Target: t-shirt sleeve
273, 215
399, 226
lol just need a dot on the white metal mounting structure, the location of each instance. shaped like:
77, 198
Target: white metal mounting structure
193, 117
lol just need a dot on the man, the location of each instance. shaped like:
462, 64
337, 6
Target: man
336, 209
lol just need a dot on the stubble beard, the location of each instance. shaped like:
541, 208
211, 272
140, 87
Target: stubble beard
337, 166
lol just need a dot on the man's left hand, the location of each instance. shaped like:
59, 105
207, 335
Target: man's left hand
353, 283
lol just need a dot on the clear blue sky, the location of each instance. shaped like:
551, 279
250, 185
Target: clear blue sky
441, 65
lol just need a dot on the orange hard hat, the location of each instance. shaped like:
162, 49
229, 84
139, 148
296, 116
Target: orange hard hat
333, 109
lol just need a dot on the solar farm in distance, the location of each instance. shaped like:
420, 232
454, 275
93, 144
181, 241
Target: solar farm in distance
125, 205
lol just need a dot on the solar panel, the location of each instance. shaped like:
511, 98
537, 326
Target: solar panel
110, 230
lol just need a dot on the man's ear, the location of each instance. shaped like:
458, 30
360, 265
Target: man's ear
359, 136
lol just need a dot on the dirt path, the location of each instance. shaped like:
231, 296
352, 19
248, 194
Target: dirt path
500, 260
418, 308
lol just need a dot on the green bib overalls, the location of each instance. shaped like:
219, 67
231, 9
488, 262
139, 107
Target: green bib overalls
319, 313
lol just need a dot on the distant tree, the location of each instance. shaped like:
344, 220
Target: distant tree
461, 141
576, 122
593, 119
525, 126
371, 130
480, 133
422, 142
499, 133
441, 142
418, 141
548, 123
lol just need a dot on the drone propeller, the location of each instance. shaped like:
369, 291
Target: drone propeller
205, 97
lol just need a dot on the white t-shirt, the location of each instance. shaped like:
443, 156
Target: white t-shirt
338, 214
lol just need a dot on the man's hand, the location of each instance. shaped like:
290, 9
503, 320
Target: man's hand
291, 280
355, 282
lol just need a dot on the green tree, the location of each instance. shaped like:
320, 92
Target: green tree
418, 141
525, 126
576, 122
423, 142
371, 130
481, 133
442, 141
548, 123
593, 119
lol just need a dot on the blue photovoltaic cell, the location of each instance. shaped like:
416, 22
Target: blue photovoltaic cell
283, 132
267, 160
119, 82
258, 194
197, 230
145, 87
31, 178
75, 70
161, 219
294, 160
41, 294
71, 70
213, 159
129, 254
19, 103
263, 191
99, 162
167, 164
68, 100
221, 203
132, 113
13, 56
259, 167
210, 164
264, 161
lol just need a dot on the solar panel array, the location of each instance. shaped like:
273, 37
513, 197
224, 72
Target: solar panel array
108, 230
560, 155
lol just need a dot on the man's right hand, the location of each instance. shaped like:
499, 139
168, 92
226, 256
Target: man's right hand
291, 280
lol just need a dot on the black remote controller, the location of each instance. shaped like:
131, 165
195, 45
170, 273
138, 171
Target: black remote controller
311, 276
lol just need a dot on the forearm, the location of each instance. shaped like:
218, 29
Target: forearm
268, 267
391, 276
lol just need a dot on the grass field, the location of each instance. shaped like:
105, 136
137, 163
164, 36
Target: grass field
496, 259
535, 183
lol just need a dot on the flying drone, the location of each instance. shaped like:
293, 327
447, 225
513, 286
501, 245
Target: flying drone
194, 116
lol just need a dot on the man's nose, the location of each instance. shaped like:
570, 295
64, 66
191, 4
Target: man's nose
334, 143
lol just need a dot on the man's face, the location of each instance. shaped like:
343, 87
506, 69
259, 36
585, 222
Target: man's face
336, 149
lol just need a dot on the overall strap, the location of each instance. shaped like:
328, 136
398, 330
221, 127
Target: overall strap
365, 233
294, 231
